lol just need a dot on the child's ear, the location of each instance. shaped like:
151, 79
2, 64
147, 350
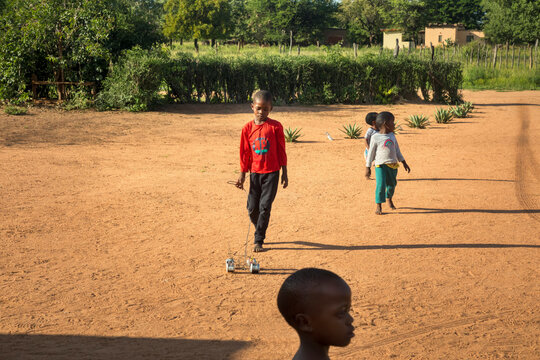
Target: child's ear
303, 323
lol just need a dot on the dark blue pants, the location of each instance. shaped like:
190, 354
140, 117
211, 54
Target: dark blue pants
262, 192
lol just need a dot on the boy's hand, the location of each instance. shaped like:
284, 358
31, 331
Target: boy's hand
240, 182
284, 179
407, 168
368, 173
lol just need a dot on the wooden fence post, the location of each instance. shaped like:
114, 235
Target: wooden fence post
519, 57
298, 49
513, 53
495, 56
536, 54
290, 43
34, 86
506, 65
531, 58
432, 51
355, 47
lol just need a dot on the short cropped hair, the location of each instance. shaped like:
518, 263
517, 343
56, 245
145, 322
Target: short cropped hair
382, 118
296, 291
263, 95
371, 117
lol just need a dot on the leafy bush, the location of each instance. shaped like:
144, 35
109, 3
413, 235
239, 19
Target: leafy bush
418, 121
79, 100
352, 131
292, 135
443, 116
15, 110
135, 81
211, 78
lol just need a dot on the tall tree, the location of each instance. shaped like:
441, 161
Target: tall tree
72, 39
467, 12
409, 15
273, 20
197, 19
512, 20
364, 19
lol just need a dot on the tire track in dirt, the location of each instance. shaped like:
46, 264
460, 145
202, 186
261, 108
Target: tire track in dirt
418, 332
526, 167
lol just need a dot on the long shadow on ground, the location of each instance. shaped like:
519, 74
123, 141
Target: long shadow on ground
419, 210
453, 179
307, 245
104, 348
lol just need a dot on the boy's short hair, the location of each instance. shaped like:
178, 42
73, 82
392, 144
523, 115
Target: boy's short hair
371, 117
263, 95
382, 118
294, 294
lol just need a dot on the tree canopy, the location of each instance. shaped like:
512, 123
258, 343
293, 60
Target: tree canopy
512, 20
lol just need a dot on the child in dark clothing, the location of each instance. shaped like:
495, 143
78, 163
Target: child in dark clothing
370, 120
262, 153
316, 303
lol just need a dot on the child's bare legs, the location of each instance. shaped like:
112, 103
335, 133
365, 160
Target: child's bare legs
379, 209
391, 204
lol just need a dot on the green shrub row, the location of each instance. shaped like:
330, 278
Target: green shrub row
140, 76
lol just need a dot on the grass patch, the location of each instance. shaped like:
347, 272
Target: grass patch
15, 110
481, 78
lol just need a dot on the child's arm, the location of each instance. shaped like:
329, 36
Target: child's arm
282, 156
369, 159
367, 142
245, 159
401, 158
405, 166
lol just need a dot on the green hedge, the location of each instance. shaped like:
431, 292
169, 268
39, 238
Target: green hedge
135, 81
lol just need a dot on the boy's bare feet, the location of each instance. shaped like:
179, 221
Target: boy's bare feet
391, 204
258, 248
379, 209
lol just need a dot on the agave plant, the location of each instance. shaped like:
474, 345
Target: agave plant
292, 135
352, 131
397, 127
459, 112
418, 121
443, 116
468, 105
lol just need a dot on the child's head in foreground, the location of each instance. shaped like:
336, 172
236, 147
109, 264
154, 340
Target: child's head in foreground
370, 119
316, 303
385, 119
262, 104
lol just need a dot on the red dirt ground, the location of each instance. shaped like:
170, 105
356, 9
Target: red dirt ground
115, 228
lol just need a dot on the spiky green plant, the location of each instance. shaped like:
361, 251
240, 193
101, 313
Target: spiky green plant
459, 112
418, 121
397, 127
468, 105
292, 135
352, 131
443, 116
15, 110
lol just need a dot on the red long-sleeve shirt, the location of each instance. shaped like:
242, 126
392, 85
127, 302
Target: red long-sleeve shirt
262, 147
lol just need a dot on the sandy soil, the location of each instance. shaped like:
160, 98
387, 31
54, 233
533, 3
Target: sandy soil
115, 228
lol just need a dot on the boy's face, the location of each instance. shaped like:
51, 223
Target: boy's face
331, 322
261, 109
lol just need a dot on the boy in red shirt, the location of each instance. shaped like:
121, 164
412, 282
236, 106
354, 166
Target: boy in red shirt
262, 153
